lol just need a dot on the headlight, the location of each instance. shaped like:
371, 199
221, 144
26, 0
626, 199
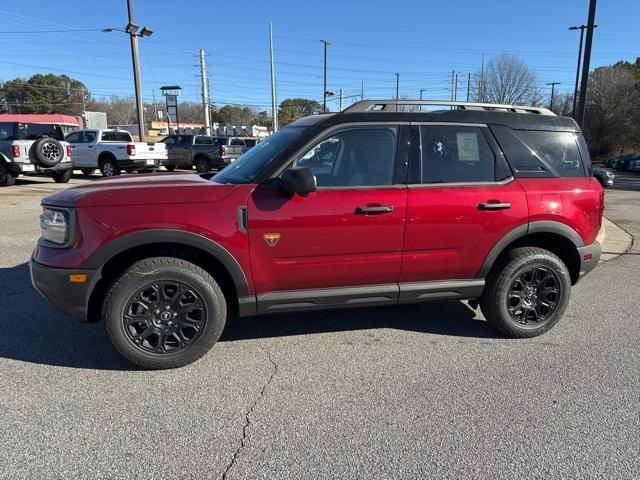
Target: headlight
55, 225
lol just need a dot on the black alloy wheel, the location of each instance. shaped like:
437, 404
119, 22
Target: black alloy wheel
164, 316
533, 296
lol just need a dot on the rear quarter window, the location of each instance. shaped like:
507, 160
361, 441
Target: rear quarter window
558, 151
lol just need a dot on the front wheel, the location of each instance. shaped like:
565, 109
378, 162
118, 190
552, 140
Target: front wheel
62, 177
526, 293
170, 168
164, 312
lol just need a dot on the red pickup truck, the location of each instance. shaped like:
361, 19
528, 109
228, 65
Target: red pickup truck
371, 206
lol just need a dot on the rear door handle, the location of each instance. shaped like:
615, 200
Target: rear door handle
494, 205
374, 209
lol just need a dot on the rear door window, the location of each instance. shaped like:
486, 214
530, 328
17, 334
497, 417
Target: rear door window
558, 151
204, 141
455, 154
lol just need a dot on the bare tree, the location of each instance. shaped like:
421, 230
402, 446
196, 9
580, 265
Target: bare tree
612, 110
506, 79
119, 110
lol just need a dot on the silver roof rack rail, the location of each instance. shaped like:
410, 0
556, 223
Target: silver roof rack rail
390, 105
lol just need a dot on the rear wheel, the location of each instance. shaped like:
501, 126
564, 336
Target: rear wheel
7, 178
526, 293
164, 312
62, 177
87, 171
202, 164
109, 168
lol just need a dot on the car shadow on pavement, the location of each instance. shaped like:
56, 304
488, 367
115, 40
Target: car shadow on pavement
32, 330
451, 318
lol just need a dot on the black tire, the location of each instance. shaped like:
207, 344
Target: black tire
202, 164
109, 167
87, 171
62, 177
518, 298
148, 285
48, 152
170, 168
7, 178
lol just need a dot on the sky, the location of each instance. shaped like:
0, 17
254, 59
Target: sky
423, 41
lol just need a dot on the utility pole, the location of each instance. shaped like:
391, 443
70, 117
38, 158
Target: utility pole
362, 90
585, 66
397, 89
453, 74
482, 80
155, 107
455, 89
274, 102
468, 85
553, 89
341, 97
137, 80
324, 91
575, 90
205, 93
422, 90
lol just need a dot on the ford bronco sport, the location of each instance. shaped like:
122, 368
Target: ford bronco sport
30, 146
371, 206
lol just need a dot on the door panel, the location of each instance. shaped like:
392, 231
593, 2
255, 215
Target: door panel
449, 234
320, 241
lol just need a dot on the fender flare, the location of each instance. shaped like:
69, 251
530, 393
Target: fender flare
544, 226
148, 237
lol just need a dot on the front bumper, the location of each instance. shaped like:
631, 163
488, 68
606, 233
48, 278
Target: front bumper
589, 257
54, 284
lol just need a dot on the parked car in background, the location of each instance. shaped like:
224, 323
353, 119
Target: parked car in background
621, 163
113, 151
185, 150
605, 177
29, 148
226, 150
333, 211
634, 165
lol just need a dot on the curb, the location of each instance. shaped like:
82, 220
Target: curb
615, 240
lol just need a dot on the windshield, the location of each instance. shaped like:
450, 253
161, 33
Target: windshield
250, 165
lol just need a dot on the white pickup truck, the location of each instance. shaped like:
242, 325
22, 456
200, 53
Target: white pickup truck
113, 151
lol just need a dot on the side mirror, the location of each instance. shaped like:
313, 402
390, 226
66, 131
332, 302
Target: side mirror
298, 180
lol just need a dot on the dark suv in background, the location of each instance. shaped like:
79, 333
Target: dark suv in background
370, 206
33, 149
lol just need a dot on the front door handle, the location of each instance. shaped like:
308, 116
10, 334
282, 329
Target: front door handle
374, 209
494, 205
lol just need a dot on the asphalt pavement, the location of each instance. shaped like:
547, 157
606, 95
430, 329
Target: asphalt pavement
424, 391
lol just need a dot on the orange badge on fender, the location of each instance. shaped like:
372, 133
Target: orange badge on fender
271, 238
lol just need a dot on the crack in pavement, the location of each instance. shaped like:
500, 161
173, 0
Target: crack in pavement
247, 415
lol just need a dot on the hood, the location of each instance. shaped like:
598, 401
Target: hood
151, 189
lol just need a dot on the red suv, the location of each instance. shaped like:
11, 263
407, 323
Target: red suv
376, 205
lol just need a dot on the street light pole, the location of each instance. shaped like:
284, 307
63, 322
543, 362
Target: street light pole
132, 29
585, 65
324, 91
